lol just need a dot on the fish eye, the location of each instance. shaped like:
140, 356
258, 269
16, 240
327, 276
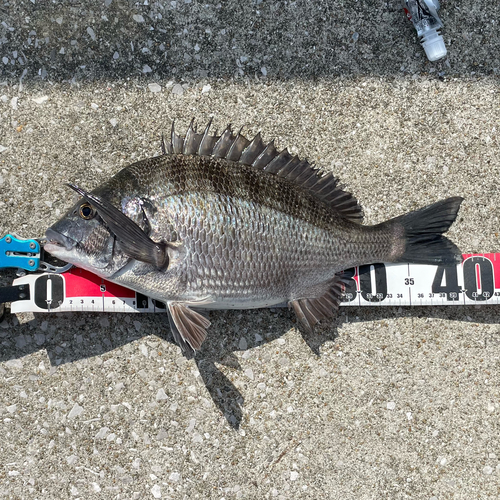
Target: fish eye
86, 211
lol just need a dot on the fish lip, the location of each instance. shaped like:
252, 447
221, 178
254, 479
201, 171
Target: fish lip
59, 239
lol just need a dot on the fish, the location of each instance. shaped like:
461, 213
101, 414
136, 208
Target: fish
227, 222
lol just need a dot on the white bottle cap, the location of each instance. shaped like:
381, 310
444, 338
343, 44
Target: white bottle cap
434, 46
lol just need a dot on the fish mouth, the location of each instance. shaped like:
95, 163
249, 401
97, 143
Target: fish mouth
58, 240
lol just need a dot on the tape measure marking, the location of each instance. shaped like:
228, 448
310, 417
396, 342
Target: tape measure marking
475, 281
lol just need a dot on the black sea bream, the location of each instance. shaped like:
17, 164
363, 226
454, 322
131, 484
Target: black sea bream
221, 222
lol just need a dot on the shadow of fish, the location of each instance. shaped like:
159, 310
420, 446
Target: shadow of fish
223, 222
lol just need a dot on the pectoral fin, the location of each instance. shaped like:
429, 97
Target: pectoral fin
133, 240
310, 311
188, 327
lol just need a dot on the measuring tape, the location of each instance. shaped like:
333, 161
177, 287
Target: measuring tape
474, 281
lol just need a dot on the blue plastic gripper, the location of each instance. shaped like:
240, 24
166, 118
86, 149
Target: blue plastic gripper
19, 253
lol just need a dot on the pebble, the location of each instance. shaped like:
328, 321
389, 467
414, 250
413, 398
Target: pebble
247, 354
21, 341
156, 491
177, 89
174, 476
91, 33
14, 363
160, 395
154, 87
162, 435
75, 411
197, 437
102, 433
11, 408
191, 425
42, 99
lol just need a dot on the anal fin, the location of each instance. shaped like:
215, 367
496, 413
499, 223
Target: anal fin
189, 327
310, 311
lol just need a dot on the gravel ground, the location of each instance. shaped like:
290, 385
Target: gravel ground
380, 403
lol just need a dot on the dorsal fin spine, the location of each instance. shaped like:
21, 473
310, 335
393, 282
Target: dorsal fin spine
204, 146
265, 157
223, 144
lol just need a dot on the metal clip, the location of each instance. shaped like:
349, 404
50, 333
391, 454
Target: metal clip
50, 268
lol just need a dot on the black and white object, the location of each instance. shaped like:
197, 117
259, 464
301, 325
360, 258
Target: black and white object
474, 281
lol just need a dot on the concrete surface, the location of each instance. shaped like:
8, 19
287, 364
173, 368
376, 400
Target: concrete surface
381, 403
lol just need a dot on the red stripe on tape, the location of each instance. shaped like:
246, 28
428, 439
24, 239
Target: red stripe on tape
82, 283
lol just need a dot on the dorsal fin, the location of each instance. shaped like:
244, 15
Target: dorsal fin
265, 157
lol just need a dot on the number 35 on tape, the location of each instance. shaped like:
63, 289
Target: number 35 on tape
474, 281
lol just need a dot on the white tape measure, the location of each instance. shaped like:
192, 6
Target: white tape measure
475, 281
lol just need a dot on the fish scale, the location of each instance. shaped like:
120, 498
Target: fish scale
221, 222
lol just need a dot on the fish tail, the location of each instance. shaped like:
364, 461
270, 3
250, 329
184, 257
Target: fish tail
421, 239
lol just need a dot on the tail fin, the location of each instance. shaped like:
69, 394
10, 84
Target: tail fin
424, 242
